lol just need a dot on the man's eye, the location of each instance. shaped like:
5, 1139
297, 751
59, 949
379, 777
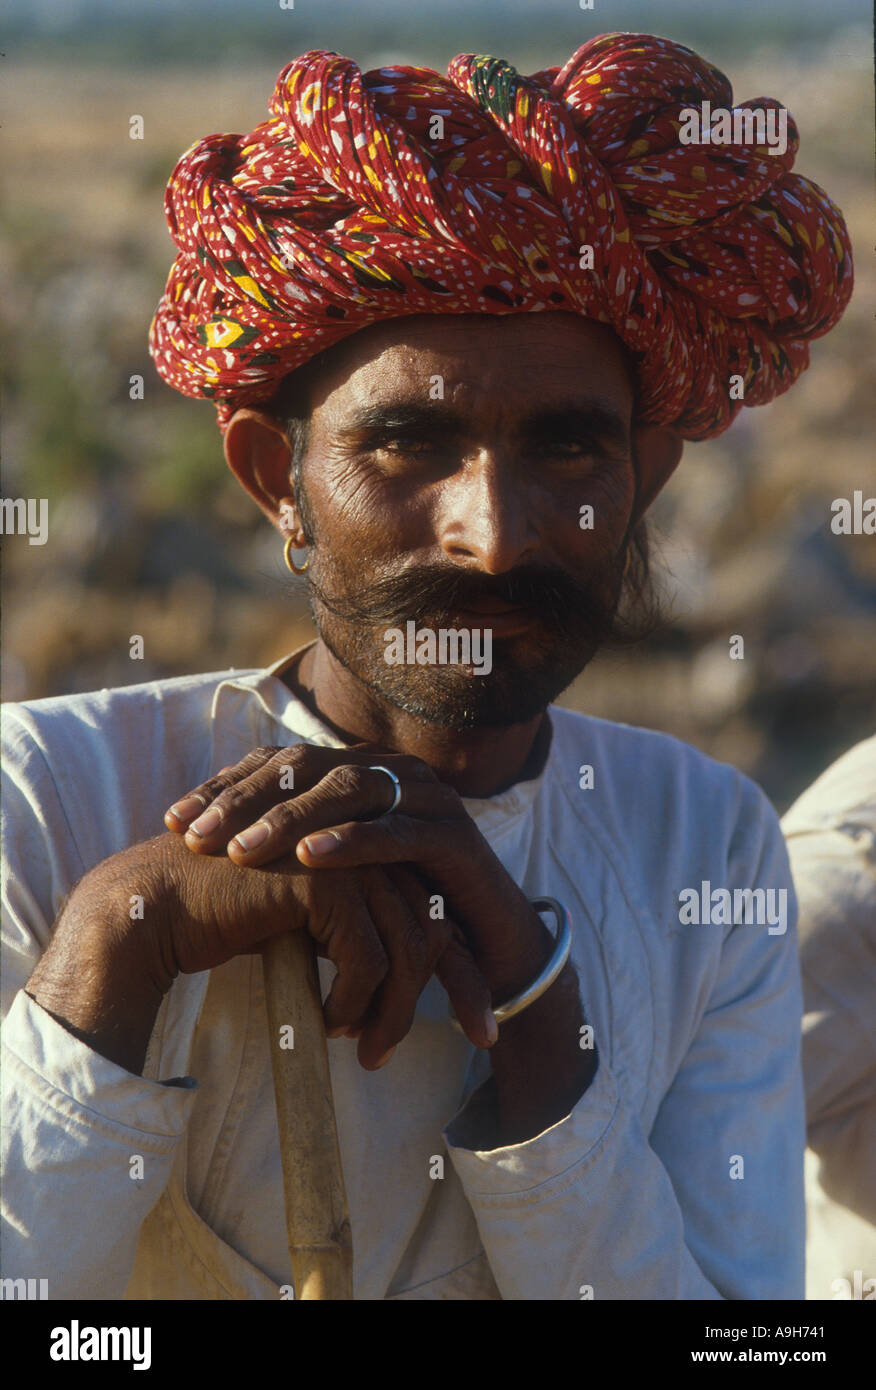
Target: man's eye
572, 448
407, 446
409, 450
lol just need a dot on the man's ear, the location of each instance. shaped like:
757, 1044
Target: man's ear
657, 451
258, 454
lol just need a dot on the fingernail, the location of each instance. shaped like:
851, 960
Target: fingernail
189, 806
335, 1032
385, 1058
254, 836
354, 1032
206, 823
323, 843
491, 1025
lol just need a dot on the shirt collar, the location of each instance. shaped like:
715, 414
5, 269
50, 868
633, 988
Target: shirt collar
276, 700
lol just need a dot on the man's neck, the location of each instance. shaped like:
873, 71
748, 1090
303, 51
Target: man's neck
476, 762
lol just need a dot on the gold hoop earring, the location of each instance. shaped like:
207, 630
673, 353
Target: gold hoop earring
290, 563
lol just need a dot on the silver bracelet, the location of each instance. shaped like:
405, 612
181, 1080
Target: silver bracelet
547, 975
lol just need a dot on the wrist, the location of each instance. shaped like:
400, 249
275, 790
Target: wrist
103, 976
510, 968
539, 1068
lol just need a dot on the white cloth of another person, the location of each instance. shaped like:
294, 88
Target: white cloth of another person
831, 836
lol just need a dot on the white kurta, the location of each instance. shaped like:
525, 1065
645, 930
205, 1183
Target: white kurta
636, 1194
831, 834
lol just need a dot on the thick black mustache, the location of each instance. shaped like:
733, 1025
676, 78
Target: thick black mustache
550, 594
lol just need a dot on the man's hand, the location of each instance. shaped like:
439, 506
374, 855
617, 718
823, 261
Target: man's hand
336, 818
104, 975
328, 821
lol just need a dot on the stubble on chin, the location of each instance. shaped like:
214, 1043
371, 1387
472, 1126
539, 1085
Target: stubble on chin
527, 674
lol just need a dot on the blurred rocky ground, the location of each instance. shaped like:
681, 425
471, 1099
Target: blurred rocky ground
150, 535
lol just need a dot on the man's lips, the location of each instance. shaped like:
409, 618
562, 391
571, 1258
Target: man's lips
494, 615
491, 606
500, 618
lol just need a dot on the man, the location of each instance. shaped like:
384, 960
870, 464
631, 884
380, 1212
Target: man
457, 331
831, 836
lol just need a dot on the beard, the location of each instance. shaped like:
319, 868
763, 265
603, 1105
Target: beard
570, 619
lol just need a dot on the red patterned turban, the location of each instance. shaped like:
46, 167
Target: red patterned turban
355, 203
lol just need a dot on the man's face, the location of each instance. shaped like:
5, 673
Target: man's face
448, 463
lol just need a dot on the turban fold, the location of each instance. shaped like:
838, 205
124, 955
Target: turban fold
374, 195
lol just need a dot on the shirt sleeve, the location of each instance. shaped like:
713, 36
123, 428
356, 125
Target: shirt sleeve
709, 1204
87, 1147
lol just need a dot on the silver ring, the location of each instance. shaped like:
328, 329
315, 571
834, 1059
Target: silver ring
378, 767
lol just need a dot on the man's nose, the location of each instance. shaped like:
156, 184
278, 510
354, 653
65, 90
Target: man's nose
486, 514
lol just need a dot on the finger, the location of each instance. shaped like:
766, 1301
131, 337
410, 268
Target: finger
404, 765
196, 800
303, 763
413, 945
394, 839
348, 791
456, 967
242, 792
177, 816
353, 945
454, 856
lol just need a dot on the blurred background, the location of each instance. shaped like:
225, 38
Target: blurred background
149, 533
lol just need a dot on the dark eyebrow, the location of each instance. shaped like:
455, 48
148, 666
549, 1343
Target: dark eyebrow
594, 421
403, 416
591, 419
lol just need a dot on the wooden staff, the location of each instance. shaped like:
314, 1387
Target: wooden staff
317, 1222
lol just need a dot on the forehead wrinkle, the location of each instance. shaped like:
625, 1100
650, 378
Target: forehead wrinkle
489, 343
501, 359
